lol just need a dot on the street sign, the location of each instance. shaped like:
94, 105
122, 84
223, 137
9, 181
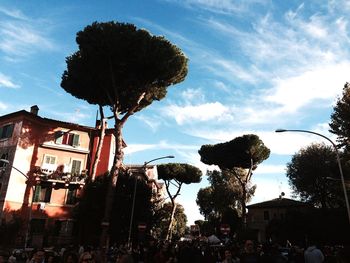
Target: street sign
142, 226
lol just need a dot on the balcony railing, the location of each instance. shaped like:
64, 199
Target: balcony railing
59, 176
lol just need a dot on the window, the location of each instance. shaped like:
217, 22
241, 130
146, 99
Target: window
49, 159
67, 138
71, 196
6, 131
266, 215
42, 194
75, 169
49, 164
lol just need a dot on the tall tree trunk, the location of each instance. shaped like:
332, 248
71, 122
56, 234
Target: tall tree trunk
243, 204
244, 193
111, 188
101, 137
170, 226
113, 174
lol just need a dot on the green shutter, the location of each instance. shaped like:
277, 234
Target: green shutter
48, 194
37, 193
76, 167
76, 140
1, 131
9, 130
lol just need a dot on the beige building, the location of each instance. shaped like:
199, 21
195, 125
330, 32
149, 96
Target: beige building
260, 214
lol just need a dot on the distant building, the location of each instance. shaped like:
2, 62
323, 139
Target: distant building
260, 214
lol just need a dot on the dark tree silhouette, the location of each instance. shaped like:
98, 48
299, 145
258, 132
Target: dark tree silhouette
340, 120
238, 155
125, 68
175, 175
309, 174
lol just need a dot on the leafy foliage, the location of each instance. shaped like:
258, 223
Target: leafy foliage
125, 68
90, 209
181, 172
236, 153
309, 172
175, 175
234, 158
222, 193
116, 63
340, 120
163, 216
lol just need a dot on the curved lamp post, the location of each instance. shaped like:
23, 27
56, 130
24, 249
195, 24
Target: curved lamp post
134, 195
338, 160
7, 162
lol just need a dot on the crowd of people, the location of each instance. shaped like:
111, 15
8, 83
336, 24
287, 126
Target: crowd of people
187, 252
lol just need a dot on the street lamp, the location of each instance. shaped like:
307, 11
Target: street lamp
7, 162
134, 194
338, 160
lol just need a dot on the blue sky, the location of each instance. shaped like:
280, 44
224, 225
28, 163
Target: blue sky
254, 66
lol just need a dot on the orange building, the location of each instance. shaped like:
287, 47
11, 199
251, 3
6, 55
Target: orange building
44, 164
44, 172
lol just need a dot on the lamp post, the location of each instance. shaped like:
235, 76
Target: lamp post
31, 202
134, 194
338, 160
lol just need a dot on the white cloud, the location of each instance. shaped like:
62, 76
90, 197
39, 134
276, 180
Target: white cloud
6, 82
13, 13
133, 148
198, 113
323, 82
268, 189
3, 106
193, 95
20, 39
219, 6
153, 123
270, 169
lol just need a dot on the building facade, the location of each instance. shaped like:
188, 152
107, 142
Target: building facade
260, 214
44, 165
43, 169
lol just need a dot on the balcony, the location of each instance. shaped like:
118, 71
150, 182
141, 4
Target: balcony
59, 176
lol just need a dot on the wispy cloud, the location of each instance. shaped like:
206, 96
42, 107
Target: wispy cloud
6, 82
133, 148
20, 39
218, 6
3, 106
13, 13
270, 169
197, 113
22, 36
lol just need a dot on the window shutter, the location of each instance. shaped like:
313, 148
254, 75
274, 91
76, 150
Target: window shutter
58, 137
48, 194
9, 130
76, 140
37, 193
1, 131
76, 167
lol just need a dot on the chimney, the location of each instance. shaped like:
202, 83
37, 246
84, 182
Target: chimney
34, 109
